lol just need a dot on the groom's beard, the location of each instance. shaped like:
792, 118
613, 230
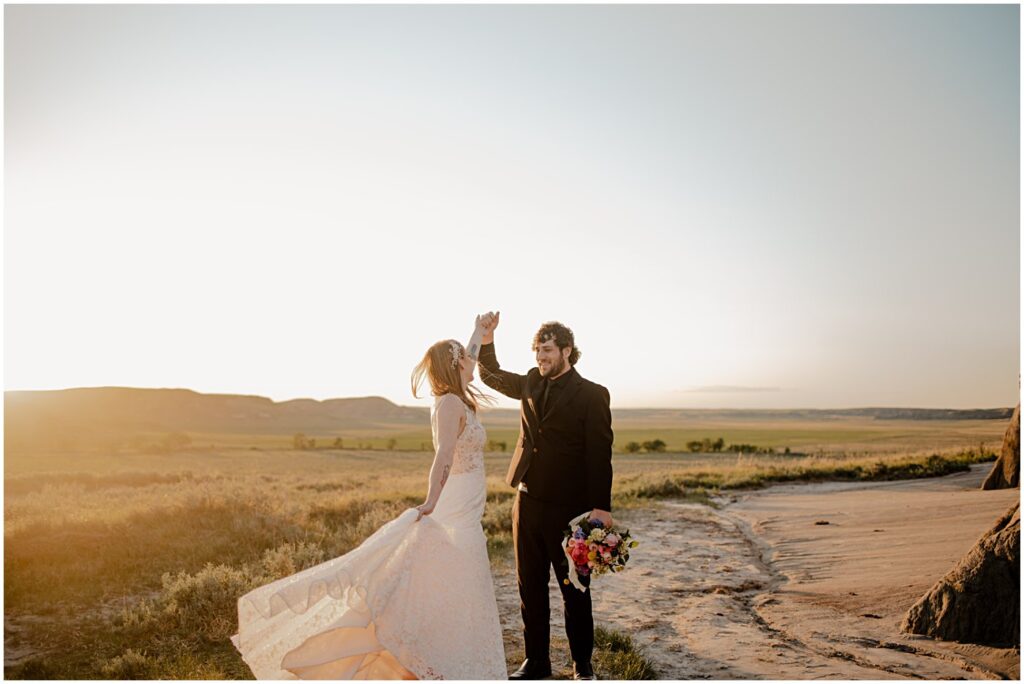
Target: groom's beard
554, 369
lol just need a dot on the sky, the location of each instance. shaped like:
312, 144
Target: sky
731, 206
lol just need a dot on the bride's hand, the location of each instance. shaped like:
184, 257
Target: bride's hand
487, 323
424, 509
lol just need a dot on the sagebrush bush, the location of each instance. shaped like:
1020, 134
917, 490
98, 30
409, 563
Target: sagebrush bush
141, 615
289, 558
207, 602
129, 665
497, 519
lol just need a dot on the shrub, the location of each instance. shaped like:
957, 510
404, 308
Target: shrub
289, 558
129, 665
142, 615
207, 602
619, 658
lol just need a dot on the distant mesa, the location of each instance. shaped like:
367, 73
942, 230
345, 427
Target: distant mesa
875, 413
92, 416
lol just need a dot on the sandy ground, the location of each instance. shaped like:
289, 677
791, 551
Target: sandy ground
758, 589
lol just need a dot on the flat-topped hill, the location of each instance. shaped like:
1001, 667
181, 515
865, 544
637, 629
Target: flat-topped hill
79, 416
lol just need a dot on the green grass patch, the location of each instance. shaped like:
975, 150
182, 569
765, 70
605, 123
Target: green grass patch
698, 482
617, 657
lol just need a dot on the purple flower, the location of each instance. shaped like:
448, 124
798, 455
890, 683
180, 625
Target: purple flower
579, 534
596, 523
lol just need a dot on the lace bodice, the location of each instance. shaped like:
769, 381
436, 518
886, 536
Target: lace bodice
469, 447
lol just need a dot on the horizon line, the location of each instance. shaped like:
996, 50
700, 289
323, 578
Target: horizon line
628, 408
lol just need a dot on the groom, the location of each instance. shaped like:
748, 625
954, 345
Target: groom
562, 467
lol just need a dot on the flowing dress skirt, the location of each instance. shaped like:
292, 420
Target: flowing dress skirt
415, 600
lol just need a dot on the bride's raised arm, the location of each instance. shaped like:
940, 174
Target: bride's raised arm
475, 340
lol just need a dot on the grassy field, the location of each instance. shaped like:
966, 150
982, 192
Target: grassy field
837, 434
129, 565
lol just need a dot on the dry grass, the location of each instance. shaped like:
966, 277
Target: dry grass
129, 566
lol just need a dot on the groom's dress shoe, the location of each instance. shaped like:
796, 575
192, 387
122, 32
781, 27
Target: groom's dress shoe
532, 670
583, 671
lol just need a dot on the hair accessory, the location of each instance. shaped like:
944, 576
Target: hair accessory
456, 352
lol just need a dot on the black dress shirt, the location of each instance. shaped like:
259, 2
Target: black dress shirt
552, 388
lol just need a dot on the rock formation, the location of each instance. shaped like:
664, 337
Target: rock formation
1006, 472
978, 601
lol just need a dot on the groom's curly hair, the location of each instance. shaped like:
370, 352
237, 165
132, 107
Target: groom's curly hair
561, 335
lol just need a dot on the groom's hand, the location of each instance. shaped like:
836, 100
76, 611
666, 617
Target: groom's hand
489, 322
604, 516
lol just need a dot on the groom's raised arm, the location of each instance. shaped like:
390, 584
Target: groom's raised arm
509, 384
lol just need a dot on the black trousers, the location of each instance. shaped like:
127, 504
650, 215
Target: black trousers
538, 528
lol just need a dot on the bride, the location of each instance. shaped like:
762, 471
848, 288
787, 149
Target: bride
416, 599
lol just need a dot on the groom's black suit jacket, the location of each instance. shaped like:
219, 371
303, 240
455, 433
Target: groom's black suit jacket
564, 456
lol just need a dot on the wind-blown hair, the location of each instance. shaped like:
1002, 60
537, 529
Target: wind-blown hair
561, 336
441, 369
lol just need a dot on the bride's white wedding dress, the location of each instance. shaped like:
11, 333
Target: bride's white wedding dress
415, 600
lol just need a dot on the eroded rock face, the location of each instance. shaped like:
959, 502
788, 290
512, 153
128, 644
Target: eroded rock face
978, 601
1006, 471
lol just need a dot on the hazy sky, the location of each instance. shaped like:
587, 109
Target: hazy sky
746, 206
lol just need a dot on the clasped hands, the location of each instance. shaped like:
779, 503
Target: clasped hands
486, 323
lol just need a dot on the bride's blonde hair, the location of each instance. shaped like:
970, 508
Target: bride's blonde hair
441, 367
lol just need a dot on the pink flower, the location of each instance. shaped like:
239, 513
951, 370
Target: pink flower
612, 540
579, 554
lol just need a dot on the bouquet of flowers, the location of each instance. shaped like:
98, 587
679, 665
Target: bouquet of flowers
593, 549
